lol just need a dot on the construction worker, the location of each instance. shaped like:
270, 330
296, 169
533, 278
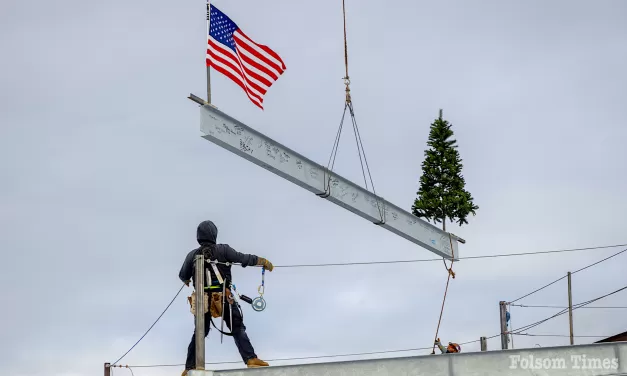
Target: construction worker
451, 348
206, 235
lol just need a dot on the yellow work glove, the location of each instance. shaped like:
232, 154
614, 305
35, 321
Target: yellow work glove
265, 263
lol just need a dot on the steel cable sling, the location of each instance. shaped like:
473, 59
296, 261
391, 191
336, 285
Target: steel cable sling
348, 105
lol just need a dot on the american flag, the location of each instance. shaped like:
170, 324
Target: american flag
252, 66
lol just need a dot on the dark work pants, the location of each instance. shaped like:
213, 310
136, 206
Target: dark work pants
239, 335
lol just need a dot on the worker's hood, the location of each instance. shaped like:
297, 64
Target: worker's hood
207, 233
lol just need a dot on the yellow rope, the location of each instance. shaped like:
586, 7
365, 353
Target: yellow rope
451, 273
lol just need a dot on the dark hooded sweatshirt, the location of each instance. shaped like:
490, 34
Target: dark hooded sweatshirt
206, 235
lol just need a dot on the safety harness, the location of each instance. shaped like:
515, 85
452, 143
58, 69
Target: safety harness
216, 283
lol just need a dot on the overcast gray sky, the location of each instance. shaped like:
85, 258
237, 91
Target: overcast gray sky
105, 176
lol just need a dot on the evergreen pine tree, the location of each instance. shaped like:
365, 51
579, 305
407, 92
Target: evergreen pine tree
442, 194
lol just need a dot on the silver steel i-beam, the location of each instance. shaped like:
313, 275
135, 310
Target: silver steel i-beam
246, 142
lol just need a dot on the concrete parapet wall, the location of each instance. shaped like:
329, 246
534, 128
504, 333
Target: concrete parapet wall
589, 360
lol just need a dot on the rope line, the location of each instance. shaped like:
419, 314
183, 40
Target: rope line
541, 288
479, 340
151, 326
292, 358
575, 306
123, 366
439, 259
556, 335
581, 305
598, 262
561, 307
576, 271
448, 279
308, 357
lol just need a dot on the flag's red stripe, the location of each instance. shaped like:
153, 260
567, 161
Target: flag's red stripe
234, 79
265, 48
261, 57
248, 61
265, 63
230, 62
235, 58
240, 67
251, 83
241, 79
255, 75
259, 66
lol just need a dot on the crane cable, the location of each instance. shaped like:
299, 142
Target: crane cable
345, 52
348, 105
451, 273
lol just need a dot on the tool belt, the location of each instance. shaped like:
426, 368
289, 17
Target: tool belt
213, 298
214, 306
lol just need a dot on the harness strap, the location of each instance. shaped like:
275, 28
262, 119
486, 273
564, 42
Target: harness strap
217, 273
214, 325
219, 287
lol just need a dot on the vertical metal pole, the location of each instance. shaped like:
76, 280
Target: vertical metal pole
107, 369
509, 323
199, 284
570, 310
484, 343
208, 67
503, 315
208, 84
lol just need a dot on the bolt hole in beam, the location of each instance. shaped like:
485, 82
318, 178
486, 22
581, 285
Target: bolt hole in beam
240, 139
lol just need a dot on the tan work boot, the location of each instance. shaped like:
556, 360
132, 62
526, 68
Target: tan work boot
256, 362
184, 373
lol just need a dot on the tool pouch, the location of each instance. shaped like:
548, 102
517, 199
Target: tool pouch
214, 306
192, 303
216, 303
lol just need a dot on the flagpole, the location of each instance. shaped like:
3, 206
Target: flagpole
208, 67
